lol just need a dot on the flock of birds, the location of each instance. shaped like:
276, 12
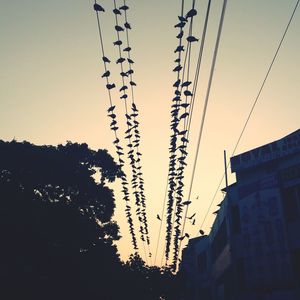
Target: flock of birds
182, 103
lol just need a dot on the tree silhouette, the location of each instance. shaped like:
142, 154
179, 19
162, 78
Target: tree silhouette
57, 236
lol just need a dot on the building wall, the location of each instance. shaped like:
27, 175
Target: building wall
253, 249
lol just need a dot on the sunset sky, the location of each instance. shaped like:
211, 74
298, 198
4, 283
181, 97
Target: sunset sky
51, 88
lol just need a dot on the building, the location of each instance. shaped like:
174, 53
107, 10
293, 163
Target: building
253, 249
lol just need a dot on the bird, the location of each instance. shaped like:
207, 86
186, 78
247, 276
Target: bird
201, 232
197, 197
130, 60
120, 60
177, 60
119, 28
191, 217
116, 11
113, 116
118, 43
187, 235
180, 25
130, 72
182, 19
125, 96
185, 105
191, 13
188, 93
111, 108
124, 7
127, 49
98, 7
123, 88
105, 74
110, 86
193, 223
177, 69
186, 202
176, 83
105, 59
123, 74
127, 25
180, 35
215, 212
132, 83
158, 217
186, 83
184, 115
181, 238
192, 39
179, 49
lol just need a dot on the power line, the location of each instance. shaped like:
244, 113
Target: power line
204, 110
253, 106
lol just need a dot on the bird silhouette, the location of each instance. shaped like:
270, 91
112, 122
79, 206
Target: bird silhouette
177, 69
119, 28
127, 25
127, 49
111, 108
192, 39
177, 60
116, 11
187, 235
197, 197
118, 43
123, 74
201, 232
158, 217
177, 83
129, 72
180, 25
132, 83
123, 88
180, 35
124, 7
120, 60
181, 238
130, 60
105, 59
186, 202
98, 7
179, 49
191, 13
193, 223
188, 93
186, 83
182, 19
105, 74
191, 217
110, 86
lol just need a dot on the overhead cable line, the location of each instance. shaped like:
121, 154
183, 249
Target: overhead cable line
132, 144
114, 127
203, 117
134, 113
252, 108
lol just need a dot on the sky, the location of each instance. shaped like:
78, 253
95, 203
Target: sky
51, 90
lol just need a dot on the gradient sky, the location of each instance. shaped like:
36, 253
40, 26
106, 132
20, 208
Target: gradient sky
51, 90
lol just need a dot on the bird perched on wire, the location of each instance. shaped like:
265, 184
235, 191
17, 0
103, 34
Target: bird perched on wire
120, 60
127, 25
118, 43
201, 232
179, 49
119, 28
116, 11
105, 59
124, 7
105, 74
192, 39
180, 35
193, 223
158, 217
191, 13
110, 86
98, 7
186, 202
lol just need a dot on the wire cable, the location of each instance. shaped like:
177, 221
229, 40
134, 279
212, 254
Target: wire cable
253, 106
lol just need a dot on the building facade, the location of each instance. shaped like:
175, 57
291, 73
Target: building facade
253, 249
